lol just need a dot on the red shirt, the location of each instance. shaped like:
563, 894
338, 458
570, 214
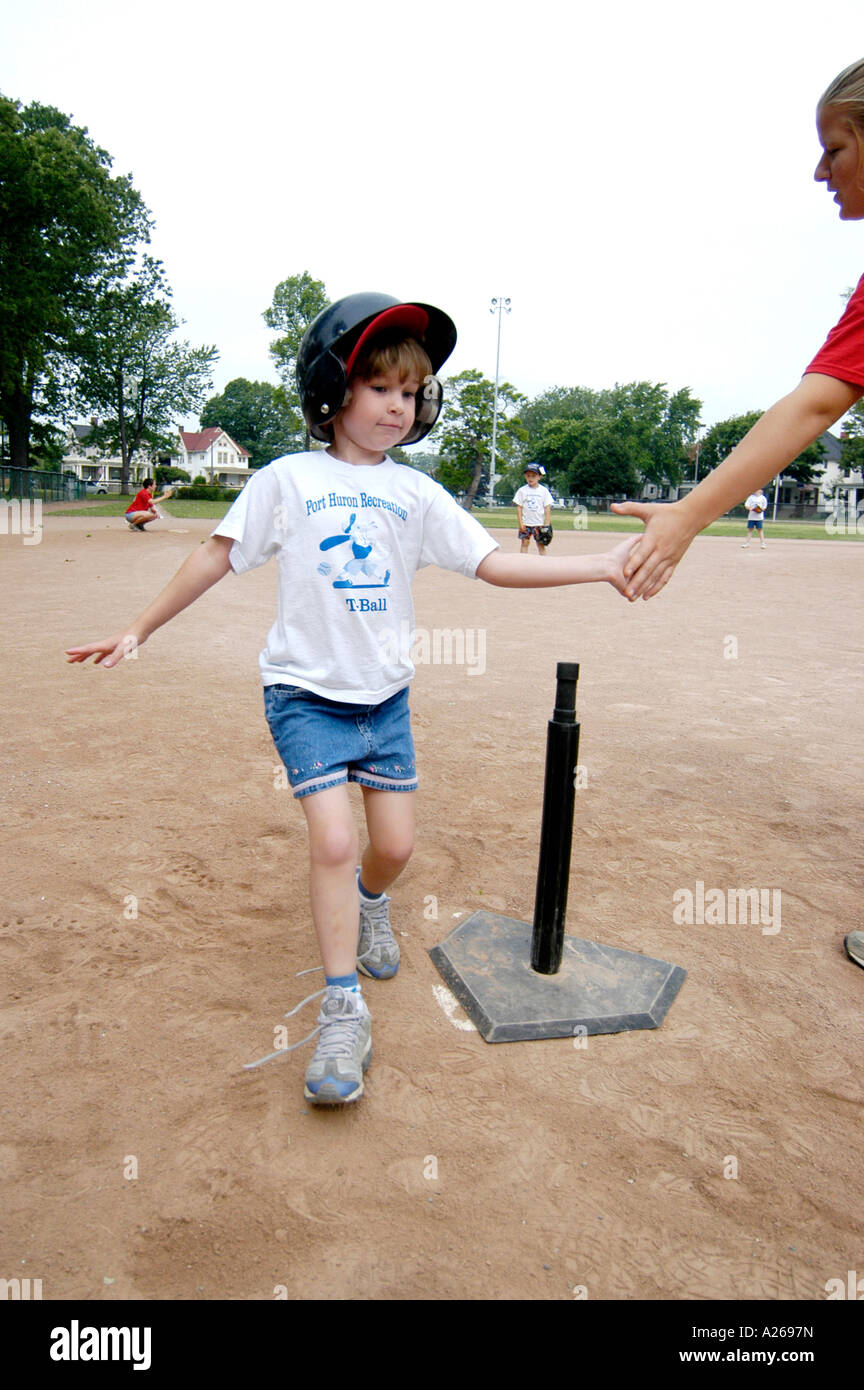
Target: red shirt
842, 353
143, 502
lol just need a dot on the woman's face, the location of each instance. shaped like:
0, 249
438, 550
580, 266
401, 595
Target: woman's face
842, 164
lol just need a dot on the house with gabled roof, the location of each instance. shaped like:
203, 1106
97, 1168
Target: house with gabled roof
214, 455
97, 466
805, 501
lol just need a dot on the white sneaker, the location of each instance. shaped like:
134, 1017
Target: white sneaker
377, 947
344, 1051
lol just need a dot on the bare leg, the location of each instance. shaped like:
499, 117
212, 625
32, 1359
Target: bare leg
333, 847
390, 822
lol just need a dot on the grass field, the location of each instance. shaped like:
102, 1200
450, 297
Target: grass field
504, 519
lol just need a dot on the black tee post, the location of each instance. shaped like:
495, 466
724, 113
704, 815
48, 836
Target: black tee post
556, 831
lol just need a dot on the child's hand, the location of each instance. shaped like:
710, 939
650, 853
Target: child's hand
616, 558
657, 551
108, 652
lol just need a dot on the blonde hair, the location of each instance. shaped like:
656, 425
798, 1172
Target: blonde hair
847, 92
386, 354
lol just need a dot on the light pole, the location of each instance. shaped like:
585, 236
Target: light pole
498, 306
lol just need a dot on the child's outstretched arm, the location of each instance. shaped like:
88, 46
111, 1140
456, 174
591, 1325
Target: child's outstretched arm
198, 573
543, 572
774, 441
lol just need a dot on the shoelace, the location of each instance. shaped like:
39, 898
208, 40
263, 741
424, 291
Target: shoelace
340, 1032
375, 915
382, 933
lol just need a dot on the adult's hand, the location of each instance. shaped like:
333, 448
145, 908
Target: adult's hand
651, 562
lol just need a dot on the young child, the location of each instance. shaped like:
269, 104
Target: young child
755, 504
349, 528
533, 510
831, 384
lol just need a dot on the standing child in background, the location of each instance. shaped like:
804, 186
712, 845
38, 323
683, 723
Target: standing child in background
831, 385
349, 528
533, 510
755, 504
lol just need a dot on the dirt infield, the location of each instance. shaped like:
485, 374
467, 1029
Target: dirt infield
155, 917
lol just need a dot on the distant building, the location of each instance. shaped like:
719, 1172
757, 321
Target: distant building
210, 453
213, 454
796, 500
838, 486
97, 466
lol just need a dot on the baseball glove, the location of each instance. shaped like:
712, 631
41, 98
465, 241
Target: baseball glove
544, 535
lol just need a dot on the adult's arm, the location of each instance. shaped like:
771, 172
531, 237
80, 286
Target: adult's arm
777, 438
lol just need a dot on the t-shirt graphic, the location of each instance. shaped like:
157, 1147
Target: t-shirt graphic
363, 564
335, 528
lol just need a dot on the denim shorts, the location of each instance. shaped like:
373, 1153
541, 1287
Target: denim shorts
325, 742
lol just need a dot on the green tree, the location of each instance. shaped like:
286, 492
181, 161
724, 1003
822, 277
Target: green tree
296, 301
64, 223
132, 371
657, 427
47, 447
680, 426
164, 474
559, 403
660, 427
465, 442
555, 446
591, 458
853, 437
256, 415
723, 437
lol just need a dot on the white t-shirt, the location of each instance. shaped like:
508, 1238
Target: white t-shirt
754, 502
533, 501
348, 539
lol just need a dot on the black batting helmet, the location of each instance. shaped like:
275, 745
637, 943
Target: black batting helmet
332, 343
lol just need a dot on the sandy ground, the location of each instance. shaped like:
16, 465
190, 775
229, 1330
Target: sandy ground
154, 918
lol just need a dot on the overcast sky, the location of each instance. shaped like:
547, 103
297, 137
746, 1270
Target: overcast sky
637, 178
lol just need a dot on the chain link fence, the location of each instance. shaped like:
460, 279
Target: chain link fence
34, 482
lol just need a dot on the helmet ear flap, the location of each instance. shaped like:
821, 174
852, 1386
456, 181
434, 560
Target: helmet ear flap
324, 394
429, 400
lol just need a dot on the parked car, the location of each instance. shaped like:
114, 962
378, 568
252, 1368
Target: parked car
100, 486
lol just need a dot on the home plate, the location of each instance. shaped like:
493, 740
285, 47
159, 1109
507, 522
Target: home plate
486, 964
449, 1003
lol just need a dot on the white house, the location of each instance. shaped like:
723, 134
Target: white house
805, 501
838, 486
97, 466
212, 454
